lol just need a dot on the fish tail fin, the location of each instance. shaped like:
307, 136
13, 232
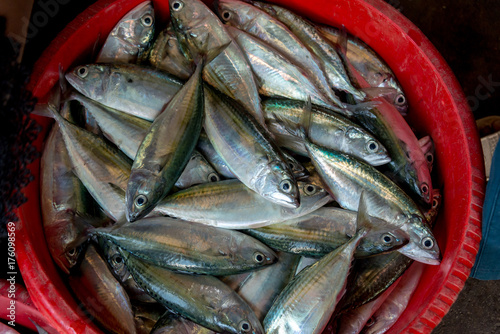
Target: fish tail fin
363, 220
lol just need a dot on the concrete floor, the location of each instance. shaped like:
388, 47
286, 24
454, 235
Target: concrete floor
466, 34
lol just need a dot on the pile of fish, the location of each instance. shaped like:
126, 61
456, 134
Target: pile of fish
242, 171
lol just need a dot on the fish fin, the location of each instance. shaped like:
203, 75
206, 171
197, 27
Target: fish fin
342, 41
296, 130
63, 84
206, 58
363, 220
95, 47
362, 107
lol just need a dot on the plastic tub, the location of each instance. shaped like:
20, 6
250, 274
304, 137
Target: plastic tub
437, 107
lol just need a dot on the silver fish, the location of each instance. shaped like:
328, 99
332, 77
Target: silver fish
189, 247
166, 149
202, 33
137, 90
258, 23
201, 298
308, 301
197, 171
131, 36
171, 323
230, 204
248, 151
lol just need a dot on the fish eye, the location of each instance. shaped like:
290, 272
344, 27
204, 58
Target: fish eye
429, 157
387, 238
292, 166
286, 186
226, 15
177, 5
434, 203
400, 99
370, 322
140, 201
213, 177
147, 20
372, 146
259, 257
310, 189
245, 326
424, 188
117, 259
82, 71
427, 243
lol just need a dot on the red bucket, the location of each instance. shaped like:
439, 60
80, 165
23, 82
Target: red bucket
437, 107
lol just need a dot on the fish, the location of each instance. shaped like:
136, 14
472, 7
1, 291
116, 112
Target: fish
330, 60
137, 90
166, 149
261, 287
203, 299
189, 247
373, 68
102, 296
429, 150
320, 232
276, 75
346, 178
395, 304
258, 23
63, 198
230, 204
166, 55
327, 128
308, 301
130, 37
201, 32
248, 151
103, 170
197, 171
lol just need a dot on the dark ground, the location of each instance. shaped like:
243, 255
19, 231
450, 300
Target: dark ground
466, 34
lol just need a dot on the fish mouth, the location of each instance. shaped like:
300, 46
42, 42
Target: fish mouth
378, 160
420, 255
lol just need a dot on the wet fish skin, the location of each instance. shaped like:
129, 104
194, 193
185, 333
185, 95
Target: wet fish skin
167, 55
103, 170
230, 204
320, 46
189, 247
276, 75
308, 301
320, 232
370, 66
248, 151
258, 23
208, 151
131, 36
327, 129
197, 171
201, 298
202, 34
261, 287
102, 295
166, 149
171, 323
137, 90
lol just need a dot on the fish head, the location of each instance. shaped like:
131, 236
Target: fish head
298, 170
312, 193
235, 13
252, 252
432, 213
144, 190
90, 80
279, 185
137, 28
243, 320
366, 147
379, 241
113, 256
422, 246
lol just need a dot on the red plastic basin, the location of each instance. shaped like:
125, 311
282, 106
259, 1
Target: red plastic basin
437, 108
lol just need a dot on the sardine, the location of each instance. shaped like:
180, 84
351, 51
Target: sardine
131, 36
228, 72
190, 247
137, 90
230, 204
166, 149
101, 294
373, 68
258, 23
248, 151
320, 46
327, 129
308, 301
201, 298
